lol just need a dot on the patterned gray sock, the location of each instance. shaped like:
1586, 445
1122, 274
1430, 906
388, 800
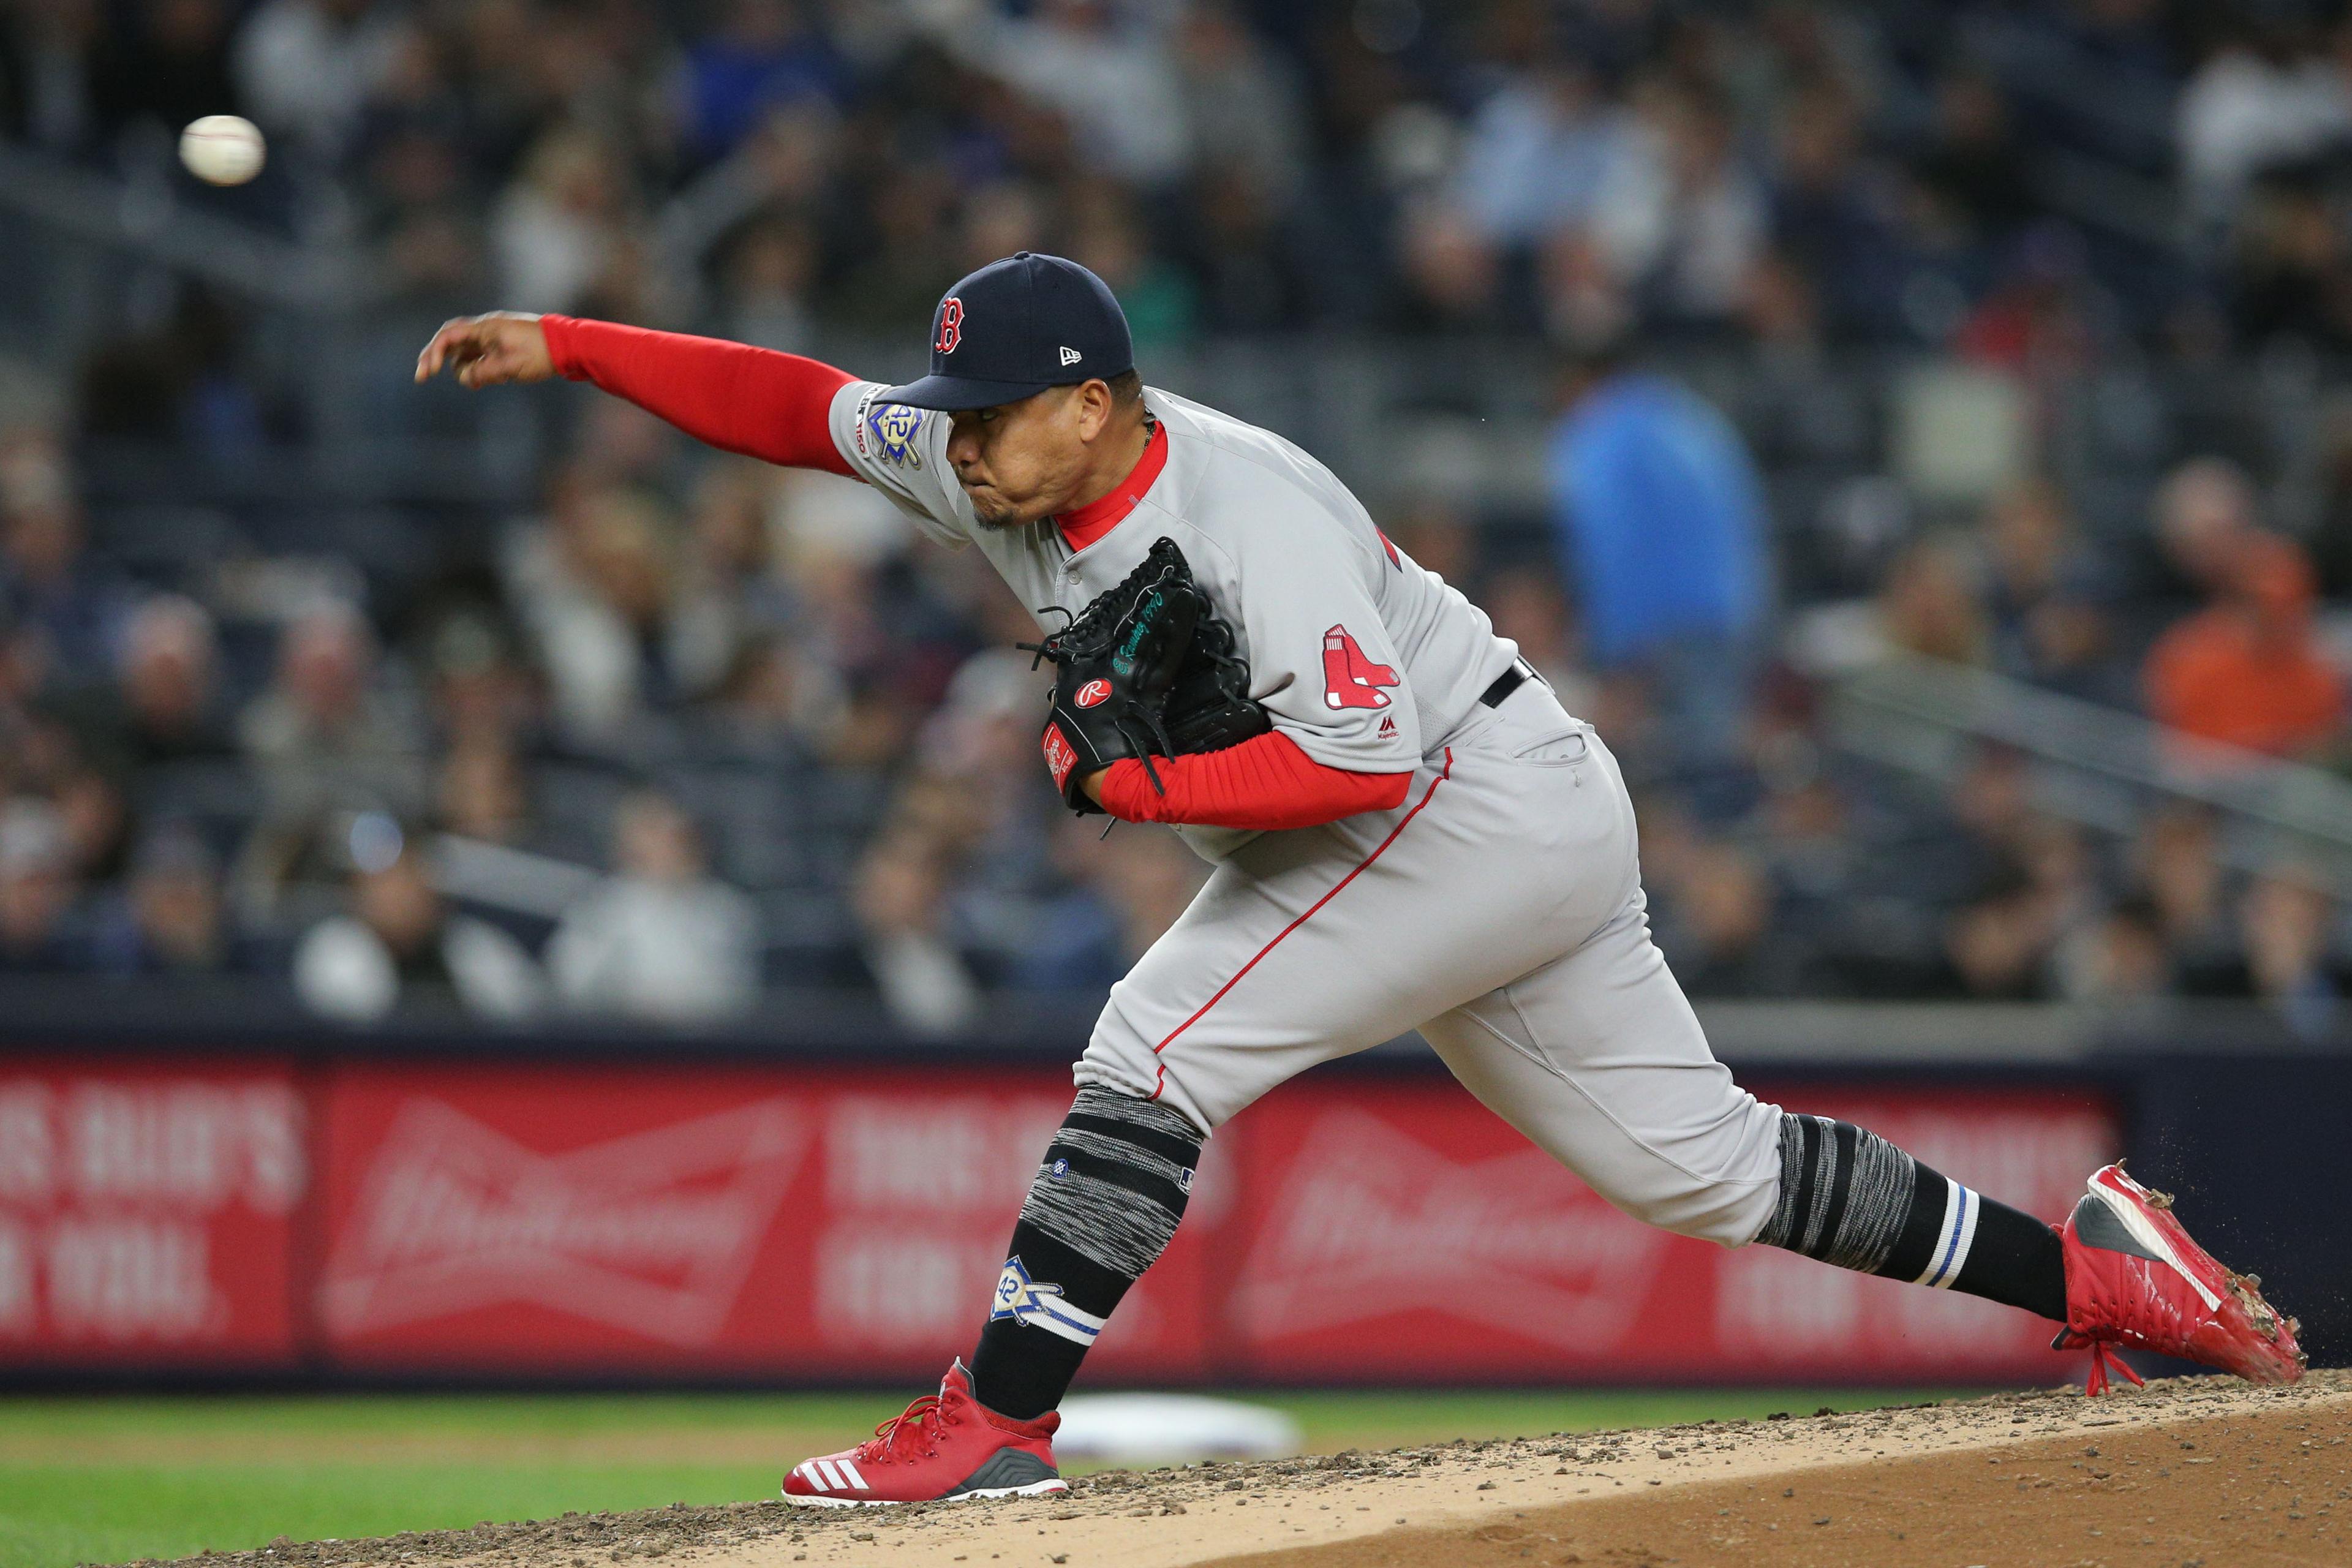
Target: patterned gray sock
1103, 1206
1852, 1199
1115, 1180
1845, 1193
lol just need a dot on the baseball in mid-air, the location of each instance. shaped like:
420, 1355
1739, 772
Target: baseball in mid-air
222, 148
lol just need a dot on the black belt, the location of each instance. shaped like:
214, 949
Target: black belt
1510, 680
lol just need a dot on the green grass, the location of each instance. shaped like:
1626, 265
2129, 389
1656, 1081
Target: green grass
57, 1516
108, 1479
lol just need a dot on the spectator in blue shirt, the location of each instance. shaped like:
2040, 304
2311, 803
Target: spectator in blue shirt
765, 56
1660, 526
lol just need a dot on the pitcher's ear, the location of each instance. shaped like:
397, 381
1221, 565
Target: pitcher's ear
1095, 406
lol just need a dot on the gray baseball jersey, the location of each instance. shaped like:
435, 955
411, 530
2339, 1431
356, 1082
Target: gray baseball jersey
1363, 658
1498, 910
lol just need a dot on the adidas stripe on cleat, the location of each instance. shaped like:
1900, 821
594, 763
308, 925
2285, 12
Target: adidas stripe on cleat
840, 1476
945, 1444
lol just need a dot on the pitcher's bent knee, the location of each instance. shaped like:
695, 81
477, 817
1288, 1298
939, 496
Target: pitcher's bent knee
1728, 1213
1722, 1192
1119, 1058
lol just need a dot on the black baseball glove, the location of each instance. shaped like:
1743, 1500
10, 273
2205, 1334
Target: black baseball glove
1146, 669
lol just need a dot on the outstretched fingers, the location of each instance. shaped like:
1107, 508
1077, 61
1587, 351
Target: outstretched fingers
488, 351
458, 339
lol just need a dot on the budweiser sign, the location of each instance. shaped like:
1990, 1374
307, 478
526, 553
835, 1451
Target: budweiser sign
146, 1211
1365, 1222
651, 1233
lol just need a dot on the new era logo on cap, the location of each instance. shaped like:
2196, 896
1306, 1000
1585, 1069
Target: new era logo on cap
1016, 327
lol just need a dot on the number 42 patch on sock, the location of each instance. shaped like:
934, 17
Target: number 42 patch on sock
1040, 1305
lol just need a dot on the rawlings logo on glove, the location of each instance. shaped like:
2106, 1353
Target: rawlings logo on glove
1059, 758
1146, 669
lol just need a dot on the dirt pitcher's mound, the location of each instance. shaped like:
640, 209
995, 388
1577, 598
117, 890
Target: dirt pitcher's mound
2188, 1472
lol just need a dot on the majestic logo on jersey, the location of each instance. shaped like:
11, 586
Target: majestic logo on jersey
1093, 694
1350, 679
951, 331
1039, 1305
894, 427
1070, 356
1388, 726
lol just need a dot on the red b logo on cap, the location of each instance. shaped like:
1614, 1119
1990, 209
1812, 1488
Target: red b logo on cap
951, 326
1092, 694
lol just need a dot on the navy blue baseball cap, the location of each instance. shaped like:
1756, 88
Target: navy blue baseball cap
1016, 327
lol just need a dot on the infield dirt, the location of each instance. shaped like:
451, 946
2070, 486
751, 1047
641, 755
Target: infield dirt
2192, 1471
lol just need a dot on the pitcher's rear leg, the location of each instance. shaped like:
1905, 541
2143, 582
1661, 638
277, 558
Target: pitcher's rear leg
1600, 1060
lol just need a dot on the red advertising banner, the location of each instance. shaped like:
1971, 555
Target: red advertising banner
849, 1224
762, 1222
148, 1213
1401, 1230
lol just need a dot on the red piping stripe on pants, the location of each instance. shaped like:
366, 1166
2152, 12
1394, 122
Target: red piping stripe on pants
1161, 1077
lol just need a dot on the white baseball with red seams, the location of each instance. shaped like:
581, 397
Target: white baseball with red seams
223, 149
1499, 909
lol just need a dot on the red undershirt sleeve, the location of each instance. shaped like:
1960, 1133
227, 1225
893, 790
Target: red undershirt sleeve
765, 404
1267, 783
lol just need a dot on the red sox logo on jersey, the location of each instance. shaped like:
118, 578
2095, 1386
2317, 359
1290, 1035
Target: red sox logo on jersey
951, 326
1350, 679
1093, 694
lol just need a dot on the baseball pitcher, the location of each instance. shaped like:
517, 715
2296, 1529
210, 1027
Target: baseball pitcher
1408, 831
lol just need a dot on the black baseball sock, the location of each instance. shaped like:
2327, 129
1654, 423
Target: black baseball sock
1850, 1198
1106, 1202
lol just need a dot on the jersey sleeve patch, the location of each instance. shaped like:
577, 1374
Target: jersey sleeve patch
887, 433
1351, 680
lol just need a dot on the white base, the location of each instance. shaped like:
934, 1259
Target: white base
1171, 1429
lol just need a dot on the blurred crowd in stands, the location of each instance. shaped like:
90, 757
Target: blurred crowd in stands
691, 731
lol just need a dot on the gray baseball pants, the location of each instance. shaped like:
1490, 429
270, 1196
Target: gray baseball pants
1499, 911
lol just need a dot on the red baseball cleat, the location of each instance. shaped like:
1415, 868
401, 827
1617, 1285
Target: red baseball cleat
946, 1445
2134, 1278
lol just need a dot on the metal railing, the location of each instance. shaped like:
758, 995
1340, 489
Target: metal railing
2097, 766
140, 217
